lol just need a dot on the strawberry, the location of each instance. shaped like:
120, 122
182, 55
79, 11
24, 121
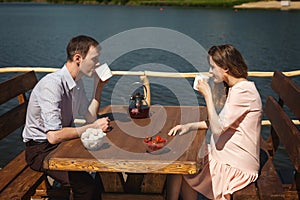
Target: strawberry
162, 140
158, 138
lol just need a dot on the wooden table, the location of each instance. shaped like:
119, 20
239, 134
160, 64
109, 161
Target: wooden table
124, 165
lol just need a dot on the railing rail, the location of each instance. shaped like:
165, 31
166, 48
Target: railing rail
144, 73
144, 77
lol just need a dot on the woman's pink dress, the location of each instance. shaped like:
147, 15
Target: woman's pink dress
232, 159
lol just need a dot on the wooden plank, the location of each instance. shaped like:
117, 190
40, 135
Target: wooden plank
17, 85
120, 165
112, 182
113, 196
12, 170
288, 91
46, 191
114, 165
133, 183
153, 183
41, 190
22, 98
63, 193
275, 141
247, 193
269, 184
12, 120
290, 193
23, 186
287, 132
297, 183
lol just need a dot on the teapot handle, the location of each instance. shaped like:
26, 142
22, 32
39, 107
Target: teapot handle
145, 88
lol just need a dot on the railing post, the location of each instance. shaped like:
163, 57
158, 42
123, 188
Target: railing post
146, 83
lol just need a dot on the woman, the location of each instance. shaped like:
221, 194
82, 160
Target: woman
232, 160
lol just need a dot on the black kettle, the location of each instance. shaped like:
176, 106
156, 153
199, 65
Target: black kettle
138, 106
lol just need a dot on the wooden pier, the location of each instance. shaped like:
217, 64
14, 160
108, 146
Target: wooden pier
18, 181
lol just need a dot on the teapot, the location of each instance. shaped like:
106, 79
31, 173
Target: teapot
138, 106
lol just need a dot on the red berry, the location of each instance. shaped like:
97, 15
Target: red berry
162, 140
158, 138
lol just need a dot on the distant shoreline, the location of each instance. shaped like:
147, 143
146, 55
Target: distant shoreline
275, 5
161, 3
249, 4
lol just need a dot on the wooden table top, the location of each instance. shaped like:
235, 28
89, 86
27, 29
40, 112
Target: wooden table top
124, 150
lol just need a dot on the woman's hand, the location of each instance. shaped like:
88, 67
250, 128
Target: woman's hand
203, 88
180, 129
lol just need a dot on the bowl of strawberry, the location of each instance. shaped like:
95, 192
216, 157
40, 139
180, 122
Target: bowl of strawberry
154, 144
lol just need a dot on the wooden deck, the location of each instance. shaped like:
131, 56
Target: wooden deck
268, 186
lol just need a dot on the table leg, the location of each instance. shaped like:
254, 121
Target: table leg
112, 182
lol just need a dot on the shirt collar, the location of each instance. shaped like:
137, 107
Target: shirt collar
70, 81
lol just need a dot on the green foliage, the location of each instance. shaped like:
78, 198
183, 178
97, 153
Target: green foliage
202, 3
118, 2
195, 3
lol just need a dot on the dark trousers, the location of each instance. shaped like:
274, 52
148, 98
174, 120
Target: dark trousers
83, 185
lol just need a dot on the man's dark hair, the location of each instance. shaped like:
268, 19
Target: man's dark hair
81, 45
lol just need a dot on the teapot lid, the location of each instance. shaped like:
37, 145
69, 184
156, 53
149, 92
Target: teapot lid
137, 96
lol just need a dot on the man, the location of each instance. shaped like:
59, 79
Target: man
54, 103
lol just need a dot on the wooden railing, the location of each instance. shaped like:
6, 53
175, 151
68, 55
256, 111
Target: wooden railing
144, 78
144, 73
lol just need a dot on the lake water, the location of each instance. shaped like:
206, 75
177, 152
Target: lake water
160, 39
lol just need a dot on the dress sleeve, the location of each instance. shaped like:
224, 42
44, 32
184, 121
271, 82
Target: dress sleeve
238, 104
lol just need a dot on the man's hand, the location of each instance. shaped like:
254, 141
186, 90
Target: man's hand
102, 123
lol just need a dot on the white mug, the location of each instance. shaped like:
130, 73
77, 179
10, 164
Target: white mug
200, 77
103, 72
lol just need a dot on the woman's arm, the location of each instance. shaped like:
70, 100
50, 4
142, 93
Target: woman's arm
213, 117
182, 129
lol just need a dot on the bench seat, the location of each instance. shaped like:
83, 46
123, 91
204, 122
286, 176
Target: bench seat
269, 185
18, 180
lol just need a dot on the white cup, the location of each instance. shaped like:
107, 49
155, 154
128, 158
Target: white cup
103, 72
200, 77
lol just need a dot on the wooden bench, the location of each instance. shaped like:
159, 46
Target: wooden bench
283, 131
18, 180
